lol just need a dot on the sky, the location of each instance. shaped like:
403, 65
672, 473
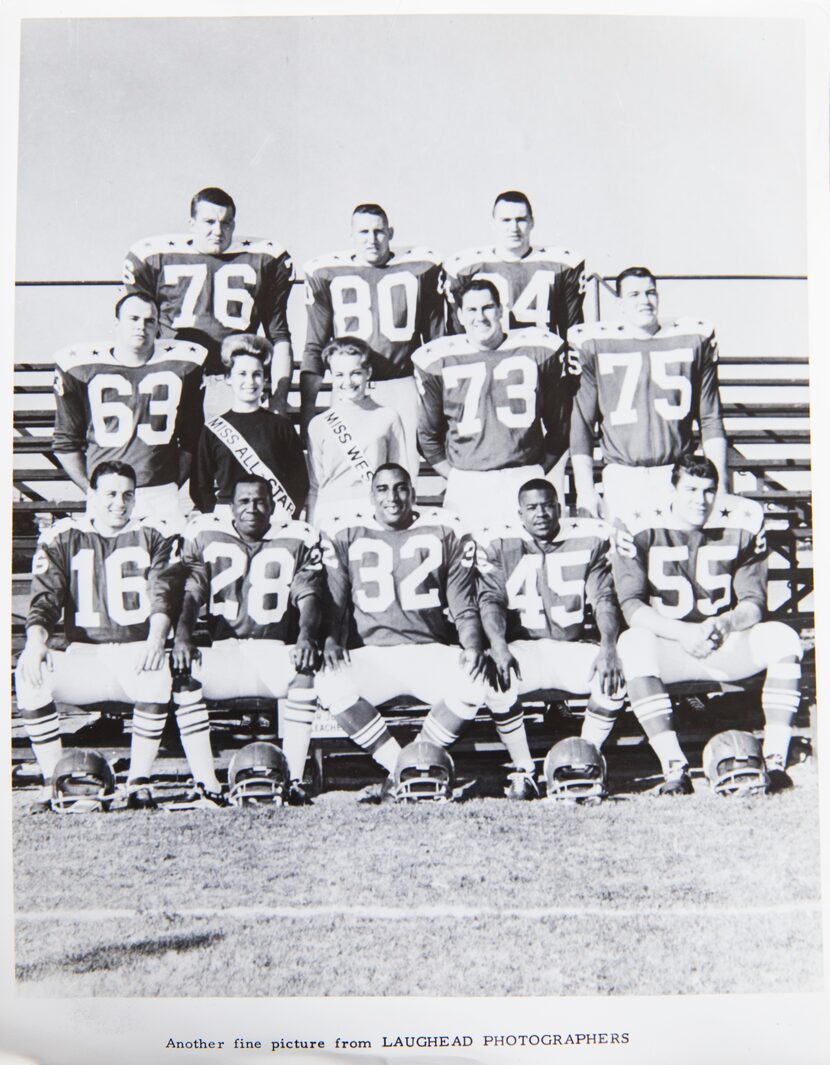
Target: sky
674, 142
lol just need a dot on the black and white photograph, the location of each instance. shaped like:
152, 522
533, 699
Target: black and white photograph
412, 538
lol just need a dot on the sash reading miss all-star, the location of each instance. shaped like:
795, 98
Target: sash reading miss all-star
247, 457
344, 438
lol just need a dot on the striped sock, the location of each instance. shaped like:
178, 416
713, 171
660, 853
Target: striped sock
654, 712
43, 729
194, 729
780, 700
298, 710
148, 726
599, 722
444, 726
363, 724
511, 729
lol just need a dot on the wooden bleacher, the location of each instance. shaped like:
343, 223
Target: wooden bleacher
766, 409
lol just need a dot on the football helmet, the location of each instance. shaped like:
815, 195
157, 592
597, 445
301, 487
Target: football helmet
83, 782
424, 773
733, 762
258, 773
575, 772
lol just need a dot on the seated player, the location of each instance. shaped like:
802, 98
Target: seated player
261, 582
645, 380
136, 401
210, 286
401, 595
533, 581
692, 583
348, 442
248, 439
494, 407
109, 576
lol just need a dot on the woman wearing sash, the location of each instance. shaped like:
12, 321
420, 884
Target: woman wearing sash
248, 439
348, 442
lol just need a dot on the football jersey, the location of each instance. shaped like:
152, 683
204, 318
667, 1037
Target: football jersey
544, 289
485, 410
693, 574
645, 391
142, 415
395, 308
206, 297
106, 587
251, 590
400, 585
543, 587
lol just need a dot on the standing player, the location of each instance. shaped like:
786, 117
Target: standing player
402, 593
493, 411
136, 401
533, 582
645, 381
693, 588
110, 578
389, 298
209, 286
541, 287
261, 583
349, 441
248, 439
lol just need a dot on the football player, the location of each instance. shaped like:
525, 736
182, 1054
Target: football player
261, 583
692, 583
493, 407
111, 578
401, 595
209, 285
391, 298
136, 401
248, 438
645, 380
541, 287
534, 578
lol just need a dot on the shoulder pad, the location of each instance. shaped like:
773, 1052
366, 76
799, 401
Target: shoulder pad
352, 520
735, 512
488, 534
583, 528
179, 351
84, 354
297, 530
438, 516
160, 525
579, 334
441, 348
62, 525
652, 518
258, 245
329, 258
203, 523
556, 255
166, 242
469, 257
415, 255
695, 326
532, 337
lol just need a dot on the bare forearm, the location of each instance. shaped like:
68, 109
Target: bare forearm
311, 616
583, 467
608, 621
309, 389
282, 366
744, 616
75, 465
715, 449
646, 617
494, 623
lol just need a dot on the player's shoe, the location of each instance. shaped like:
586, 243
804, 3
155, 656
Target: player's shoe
297, 794
198, 798
678, 781
375, 794
779, 778
140, 795
521, 786
43, 803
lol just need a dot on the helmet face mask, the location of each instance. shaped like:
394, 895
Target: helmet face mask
733, 762
575, 773
424, 773
83, 783
258, 776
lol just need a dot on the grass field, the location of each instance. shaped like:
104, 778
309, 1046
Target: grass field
638, 896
